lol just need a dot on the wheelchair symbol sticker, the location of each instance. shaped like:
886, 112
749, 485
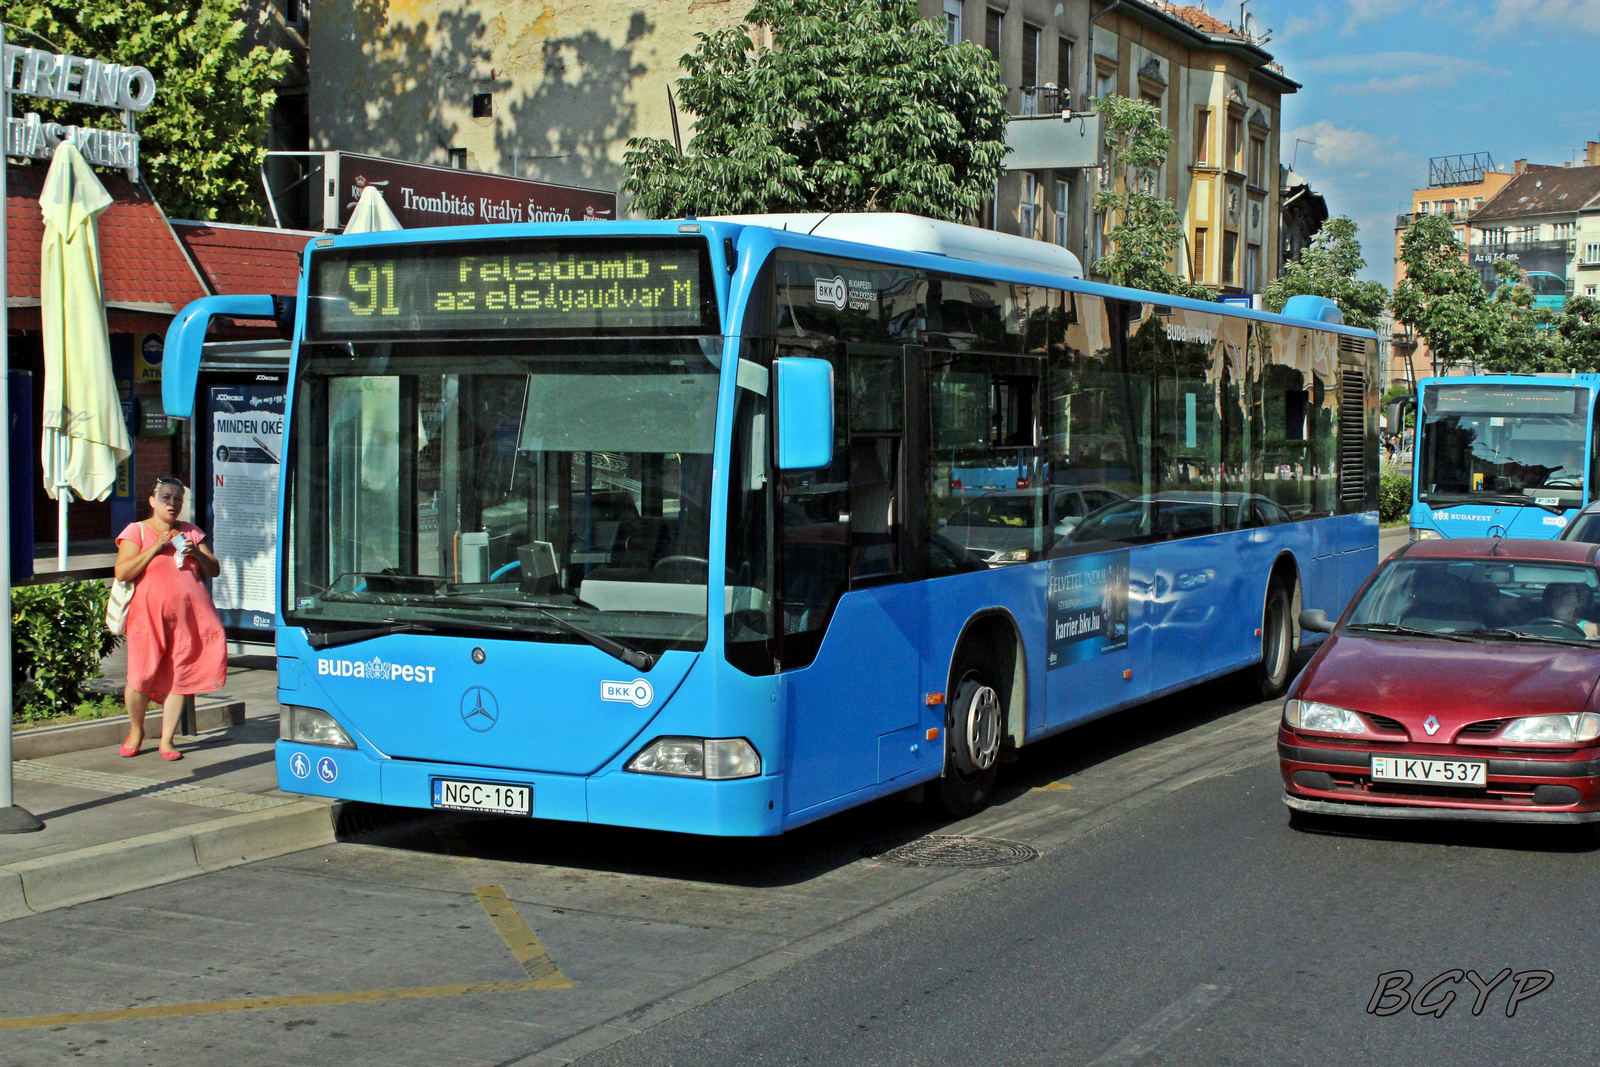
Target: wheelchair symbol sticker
327, 770
299, 765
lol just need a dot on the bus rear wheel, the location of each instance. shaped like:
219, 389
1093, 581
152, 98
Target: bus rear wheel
1270, 677
975, 726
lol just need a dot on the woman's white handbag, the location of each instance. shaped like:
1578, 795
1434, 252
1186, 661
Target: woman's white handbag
117, 606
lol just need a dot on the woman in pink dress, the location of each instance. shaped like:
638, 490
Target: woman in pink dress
176, 647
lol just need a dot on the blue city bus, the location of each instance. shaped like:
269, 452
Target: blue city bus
526, 464
1502, 455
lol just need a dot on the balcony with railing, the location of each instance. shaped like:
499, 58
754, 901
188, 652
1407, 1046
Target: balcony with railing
1044, 100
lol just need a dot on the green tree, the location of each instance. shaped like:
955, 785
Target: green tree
1328, 268
204, 136
1520, 339
1145, 228
1577, 331
855, 107
1441, 296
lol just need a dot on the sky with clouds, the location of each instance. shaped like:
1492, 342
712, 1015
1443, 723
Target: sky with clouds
1389, 83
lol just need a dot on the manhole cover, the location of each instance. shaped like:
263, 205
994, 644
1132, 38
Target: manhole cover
958, 852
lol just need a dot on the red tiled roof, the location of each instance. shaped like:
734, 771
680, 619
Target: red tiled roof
245, 259
142, 266
1200, 20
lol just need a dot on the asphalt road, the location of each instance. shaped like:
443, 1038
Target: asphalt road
1169, 915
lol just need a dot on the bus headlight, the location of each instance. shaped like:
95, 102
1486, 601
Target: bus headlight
717, 758
1422, 533
309, 726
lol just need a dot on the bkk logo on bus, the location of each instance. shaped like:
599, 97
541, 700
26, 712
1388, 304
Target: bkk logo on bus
377, 670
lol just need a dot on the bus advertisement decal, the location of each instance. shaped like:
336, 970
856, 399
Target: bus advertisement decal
1087, 613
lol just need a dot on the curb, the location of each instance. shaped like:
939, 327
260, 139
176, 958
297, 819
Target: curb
109, 731
85, 874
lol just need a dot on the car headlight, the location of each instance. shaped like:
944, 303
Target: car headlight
717, 758
1324, 718
1419, 533
309, 726
1014, 555
1552, 729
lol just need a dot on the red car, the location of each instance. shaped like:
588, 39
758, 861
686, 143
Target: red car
1460, 684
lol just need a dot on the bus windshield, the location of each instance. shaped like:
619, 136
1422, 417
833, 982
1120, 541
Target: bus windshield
456, 485
1516, 443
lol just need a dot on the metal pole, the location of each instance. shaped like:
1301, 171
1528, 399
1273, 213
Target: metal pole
63, 499
13, 819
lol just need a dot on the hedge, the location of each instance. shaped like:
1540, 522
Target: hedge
1394, 497
58, 637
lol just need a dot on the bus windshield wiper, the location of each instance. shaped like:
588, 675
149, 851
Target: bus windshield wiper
1409, 631
335, 638
633, 657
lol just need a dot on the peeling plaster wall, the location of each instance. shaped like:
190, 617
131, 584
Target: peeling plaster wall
570, 82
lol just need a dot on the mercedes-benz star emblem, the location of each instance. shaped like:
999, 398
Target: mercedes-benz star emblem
1431, 725
479, 709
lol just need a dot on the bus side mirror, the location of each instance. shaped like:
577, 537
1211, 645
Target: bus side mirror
1315, 620
804, 388
1397, 412
186, 339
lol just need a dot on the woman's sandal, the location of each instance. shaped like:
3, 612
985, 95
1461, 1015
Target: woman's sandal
172, 755
128, 751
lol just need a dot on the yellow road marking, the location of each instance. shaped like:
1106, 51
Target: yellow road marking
1053, 785
520, 940
542, 974
309, 1000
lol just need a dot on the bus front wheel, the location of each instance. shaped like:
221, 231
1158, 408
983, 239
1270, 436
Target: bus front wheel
975, 725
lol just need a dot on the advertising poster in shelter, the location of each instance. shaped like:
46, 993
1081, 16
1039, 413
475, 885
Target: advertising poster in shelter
243, 458
1087, 613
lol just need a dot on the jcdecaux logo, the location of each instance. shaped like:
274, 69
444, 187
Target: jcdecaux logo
377, 670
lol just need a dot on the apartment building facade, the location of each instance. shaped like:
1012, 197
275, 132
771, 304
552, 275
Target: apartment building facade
1544, 218
554, 92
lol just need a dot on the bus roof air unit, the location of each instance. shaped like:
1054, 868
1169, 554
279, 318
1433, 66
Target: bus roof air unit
914, 233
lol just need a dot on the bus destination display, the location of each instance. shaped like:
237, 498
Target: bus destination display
494, 286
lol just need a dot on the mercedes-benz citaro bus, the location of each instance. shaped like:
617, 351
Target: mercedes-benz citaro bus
1502, 455
639, 523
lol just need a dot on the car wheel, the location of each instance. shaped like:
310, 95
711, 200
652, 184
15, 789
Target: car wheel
974, 727
1269, 677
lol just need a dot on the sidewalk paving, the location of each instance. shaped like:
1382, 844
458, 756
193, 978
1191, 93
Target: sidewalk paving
113, 824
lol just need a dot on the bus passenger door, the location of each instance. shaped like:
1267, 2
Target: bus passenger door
852, 621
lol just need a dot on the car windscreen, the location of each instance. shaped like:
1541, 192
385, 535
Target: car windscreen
999, 511
1493, 598
1583, 528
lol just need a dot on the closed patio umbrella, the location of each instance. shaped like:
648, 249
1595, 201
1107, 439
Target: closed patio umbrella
84, 434
372, 214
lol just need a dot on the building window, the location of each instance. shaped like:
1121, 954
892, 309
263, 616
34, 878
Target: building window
1591, 252
1030, 54
1252, 269
1230, 252
1028, 208
1258, 162
991, 32
1202, 135
952, 21
1064, 68
1198, 269
1235, 142
458, 158
1105, 81
1063, 213
482, 105
1565, 231
1589, 290
1461, 234
294, 12
1099, 234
